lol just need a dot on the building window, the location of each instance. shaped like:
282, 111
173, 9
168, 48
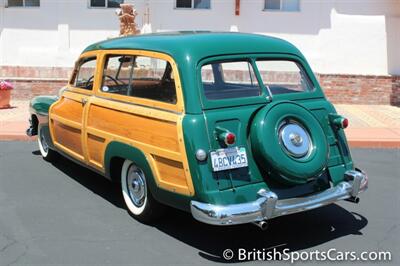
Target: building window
106, 3
282, 5
22, 3
193, 4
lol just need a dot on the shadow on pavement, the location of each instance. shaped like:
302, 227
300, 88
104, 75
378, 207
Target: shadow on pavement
294, 232
91, 180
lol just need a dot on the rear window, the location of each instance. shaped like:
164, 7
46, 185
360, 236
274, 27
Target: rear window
282, 76
227, 80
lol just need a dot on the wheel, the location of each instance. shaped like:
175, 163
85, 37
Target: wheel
47, 153
136, 193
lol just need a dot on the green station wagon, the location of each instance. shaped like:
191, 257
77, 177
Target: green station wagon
231, 127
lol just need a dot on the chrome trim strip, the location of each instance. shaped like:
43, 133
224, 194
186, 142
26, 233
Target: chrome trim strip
268, 206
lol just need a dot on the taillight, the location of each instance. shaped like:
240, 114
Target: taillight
338, 121
230, 138
224, 136
345, 123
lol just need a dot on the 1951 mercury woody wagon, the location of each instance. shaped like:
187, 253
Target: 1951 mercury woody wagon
231, 127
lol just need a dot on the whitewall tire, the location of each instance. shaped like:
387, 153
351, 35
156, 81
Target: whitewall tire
47, 153
136, 193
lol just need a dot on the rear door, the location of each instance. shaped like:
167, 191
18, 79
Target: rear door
67, 115
139, 103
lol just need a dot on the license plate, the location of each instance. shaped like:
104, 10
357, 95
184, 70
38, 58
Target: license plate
230, 158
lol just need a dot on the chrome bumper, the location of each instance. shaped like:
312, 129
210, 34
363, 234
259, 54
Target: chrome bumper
268, 205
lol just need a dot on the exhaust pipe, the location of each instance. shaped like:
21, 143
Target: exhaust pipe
353, 199
262, 224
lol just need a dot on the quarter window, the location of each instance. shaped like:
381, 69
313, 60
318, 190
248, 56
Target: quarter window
22, 3
139, 76
282, 5
281, 77
83, 76
226, 80
194, 4
106, 3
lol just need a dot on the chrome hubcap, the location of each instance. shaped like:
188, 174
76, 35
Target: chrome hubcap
295, 139
136, 185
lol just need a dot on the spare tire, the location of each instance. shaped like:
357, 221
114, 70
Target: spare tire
288, 142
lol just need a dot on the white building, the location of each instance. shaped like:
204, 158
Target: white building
348, 37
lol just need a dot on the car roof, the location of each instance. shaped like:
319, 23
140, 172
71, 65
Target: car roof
196, 45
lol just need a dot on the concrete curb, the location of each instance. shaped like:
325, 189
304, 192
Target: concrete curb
383, 144
16, 137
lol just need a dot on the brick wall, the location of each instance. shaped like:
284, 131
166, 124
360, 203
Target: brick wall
361, 89
395, 97
28, 88
354, 89
34, 81
35, 72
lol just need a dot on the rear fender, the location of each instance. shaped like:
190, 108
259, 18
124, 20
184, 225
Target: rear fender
125, 151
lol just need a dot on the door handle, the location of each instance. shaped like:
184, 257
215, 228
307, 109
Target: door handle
84, 101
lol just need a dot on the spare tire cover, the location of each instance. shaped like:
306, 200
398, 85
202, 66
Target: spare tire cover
288, 140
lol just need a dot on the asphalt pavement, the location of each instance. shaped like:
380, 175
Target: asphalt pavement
64, 214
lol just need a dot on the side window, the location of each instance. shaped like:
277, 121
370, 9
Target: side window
83, 75
139, 76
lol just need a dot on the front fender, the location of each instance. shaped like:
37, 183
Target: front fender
40, 105
39, 116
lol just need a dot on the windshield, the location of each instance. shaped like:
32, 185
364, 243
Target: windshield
237, 79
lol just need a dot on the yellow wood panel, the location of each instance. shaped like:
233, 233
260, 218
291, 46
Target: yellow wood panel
67, 122
154, 132
67, 136
184, 159
144, 147
135, 109
148, 130
68, 109
95, 147
170, 171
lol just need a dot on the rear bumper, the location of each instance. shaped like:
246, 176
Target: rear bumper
268, 206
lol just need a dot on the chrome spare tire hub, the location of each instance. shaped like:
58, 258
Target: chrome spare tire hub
295, 139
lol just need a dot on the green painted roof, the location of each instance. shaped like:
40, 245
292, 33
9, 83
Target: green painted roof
197, 45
